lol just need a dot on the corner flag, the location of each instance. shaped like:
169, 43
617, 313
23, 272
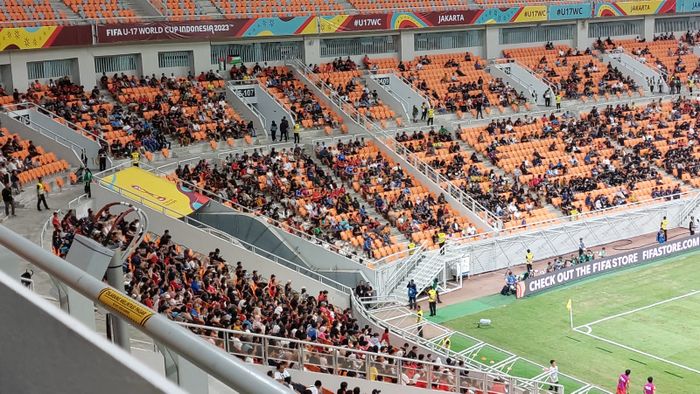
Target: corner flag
570, 307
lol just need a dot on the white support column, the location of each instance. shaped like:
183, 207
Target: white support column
649, 27
581, 40
492, 48
312, 50
202, 58
407, 49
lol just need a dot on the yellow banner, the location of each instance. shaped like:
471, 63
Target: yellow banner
154, 192
640, 7
127, 307
532, 13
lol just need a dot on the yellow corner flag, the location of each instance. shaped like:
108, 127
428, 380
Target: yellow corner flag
568, 305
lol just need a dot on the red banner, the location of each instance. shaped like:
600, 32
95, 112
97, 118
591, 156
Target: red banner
170, 30
449, 18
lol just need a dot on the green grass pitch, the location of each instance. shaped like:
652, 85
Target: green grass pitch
537, 328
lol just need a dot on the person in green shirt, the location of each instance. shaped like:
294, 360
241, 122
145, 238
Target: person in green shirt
87, 178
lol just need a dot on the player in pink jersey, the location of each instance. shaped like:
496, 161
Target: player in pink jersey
649, 387
623, 382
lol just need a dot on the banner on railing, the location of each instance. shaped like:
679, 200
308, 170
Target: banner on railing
44, 37
539, 283
247, 27
638, 7
155, 192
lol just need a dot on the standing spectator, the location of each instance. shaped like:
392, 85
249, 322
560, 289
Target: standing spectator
623, 382
41, 194
431, 116
479, 108
297, 133
102, 156
8, 199
273, 131
87, 178
281, 372
284, 129
412, 293
691, 225
419, 318
424, 112
581, 247
343, 388
414, 114
553, 372
664, 227
660, 237
432, 301
649, 387
547, 98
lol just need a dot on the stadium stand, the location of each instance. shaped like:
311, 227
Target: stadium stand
497, 193
22, 162
572, 163
185, 109
343, 77
21, 13
284, 8
110, 11
578, 74
456, 83
296, 97
395, 194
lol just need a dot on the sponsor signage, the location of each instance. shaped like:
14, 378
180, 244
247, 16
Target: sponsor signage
384, 81
246, 92
167, 30
687, 5
604, 265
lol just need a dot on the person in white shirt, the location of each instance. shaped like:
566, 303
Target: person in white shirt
553, 372
281, 372
317, 388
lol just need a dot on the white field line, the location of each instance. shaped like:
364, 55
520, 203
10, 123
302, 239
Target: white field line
692, 293
687, 368
586, 329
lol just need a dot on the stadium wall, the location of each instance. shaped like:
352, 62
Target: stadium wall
152, 56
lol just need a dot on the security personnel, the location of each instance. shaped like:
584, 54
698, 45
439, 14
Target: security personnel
41, 195
558, 99
297, 133
419, 318
664, 227
431, 116
529, 257
442, 237
432, 301
135, 157
446, 343
411, 248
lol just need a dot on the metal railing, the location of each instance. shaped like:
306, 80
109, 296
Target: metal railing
231, 371
318, 357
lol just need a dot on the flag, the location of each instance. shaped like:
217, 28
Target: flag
568, 305
234, 60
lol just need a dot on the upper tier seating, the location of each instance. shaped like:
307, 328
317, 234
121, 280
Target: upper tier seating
575, 73
278, 8
296, 97
109, 11
22, 162
345, 79
456, 83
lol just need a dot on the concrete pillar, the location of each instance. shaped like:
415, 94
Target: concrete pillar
649, 27
149, 62
492, 48
86, 71
202, 58
407, 48
312, 50
581, 40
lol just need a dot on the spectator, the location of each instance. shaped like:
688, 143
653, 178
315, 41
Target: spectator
8, 200
412, 293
